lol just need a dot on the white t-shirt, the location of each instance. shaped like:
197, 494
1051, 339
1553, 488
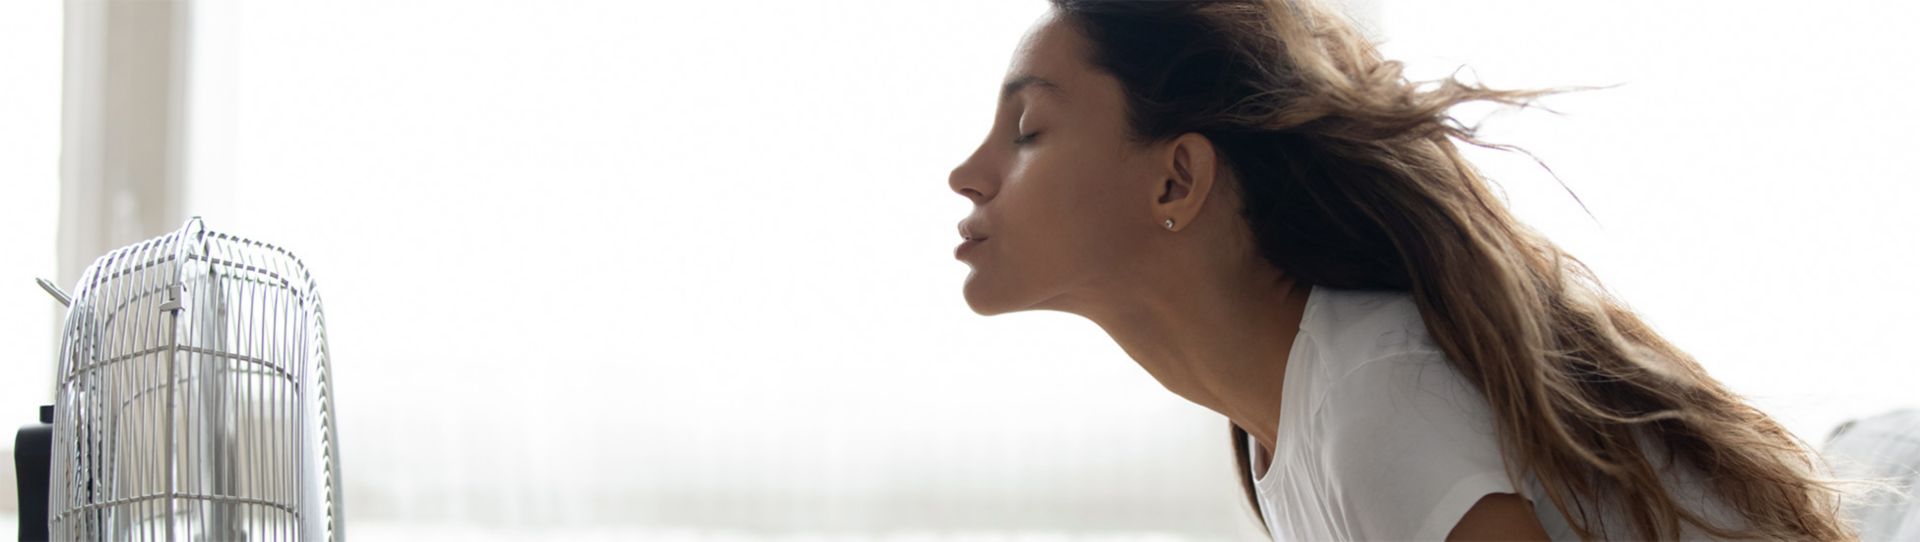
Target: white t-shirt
1381, 439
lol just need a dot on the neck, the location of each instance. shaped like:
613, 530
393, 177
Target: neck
1219, 340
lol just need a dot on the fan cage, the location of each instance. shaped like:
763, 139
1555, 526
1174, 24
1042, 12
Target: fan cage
193, 397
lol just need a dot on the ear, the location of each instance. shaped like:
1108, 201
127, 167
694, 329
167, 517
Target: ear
1189, 169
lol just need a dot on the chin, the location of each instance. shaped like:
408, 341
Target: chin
984, 298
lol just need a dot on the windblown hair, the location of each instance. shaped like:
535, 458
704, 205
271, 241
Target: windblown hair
1349, 178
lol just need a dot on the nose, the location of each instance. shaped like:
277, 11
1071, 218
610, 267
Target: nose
971, 180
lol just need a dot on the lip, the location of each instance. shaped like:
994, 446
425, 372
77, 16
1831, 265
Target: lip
960, 252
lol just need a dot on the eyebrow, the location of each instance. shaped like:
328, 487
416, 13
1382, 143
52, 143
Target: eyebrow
1015, 85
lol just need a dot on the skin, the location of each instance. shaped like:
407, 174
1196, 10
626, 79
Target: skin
1073, 219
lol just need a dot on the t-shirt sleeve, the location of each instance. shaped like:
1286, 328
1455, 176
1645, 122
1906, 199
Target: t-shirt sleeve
1409, 447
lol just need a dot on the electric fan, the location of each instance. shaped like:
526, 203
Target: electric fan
193, 398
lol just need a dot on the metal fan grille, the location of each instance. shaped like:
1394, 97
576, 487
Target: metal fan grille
193, 397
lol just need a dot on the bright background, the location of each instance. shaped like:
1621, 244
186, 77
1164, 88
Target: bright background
678, 270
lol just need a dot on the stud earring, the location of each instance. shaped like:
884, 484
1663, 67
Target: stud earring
1169, 224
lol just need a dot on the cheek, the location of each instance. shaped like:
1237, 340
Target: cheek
1072, 219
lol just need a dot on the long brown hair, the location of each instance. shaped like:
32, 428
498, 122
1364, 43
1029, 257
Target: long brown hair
1349, 178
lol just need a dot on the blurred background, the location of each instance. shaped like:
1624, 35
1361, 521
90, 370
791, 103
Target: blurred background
682, 270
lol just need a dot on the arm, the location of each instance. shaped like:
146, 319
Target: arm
1499, 516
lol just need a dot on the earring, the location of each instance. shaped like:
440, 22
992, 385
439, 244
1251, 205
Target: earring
1169, 224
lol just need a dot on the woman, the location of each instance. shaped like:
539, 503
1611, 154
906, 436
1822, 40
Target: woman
1276, 225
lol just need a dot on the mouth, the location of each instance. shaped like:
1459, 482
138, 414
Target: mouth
973, 239
960, 252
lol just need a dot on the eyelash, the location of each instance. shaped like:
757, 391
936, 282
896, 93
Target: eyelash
1025, 138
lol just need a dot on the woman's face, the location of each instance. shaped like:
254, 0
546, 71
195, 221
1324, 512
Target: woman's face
1061, 198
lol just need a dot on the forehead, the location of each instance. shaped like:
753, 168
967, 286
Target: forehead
1053, 51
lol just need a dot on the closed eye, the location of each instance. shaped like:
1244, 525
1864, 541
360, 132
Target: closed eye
1025, 138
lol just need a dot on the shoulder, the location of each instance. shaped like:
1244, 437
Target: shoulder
1407, 447
1409, 387
1355, 344
1371, 351
1361, 325
1405, 443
